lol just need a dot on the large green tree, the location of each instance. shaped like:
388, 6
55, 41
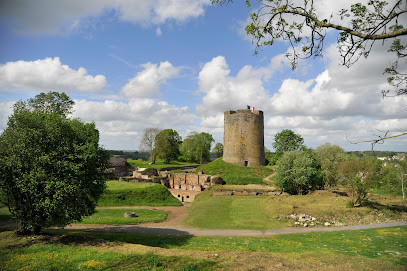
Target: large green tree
330, 157
167, 143
287, 140
51, 166
298, 172
359, 26
196, 147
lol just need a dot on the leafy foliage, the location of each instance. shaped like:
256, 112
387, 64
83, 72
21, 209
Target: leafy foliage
287, 140
298, 172
196, 147
359, 175
218, 150
147, 143
167, 144
51, 167
329, 157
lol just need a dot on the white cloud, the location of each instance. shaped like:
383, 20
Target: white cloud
50, 16
47, 74
6, 108
147, 82
121, 124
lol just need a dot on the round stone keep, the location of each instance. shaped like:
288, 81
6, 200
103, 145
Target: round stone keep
244, 137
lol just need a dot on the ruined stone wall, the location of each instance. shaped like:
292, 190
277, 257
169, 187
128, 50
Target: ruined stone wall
244, 138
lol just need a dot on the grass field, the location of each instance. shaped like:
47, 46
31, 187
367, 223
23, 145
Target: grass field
60, 252
158, 165
121, 193
233, 174
266, 212
374, 249
116, 216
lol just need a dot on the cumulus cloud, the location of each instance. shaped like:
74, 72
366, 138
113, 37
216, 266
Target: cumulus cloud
50, 16
121, 123
223, 92
47, 74
147, 82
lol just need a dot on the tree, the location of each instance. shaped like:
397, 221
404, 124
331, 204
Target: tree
330, 157
401, 173
147, 143
287, 140
359, 175
196, 147
218, 150
298, 172
51, 166
359, 27
52, 101
167, 144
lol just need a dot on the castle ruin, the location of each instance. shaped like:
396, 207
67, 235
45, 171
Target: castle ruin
244, 137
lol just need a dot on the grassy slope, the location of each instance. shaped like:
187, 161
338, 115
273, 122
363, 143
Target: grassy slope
262, 212
137, 194
233, 174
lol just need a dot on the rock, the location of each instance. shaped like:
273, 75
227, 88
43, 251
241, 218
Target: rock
294, 217
297, 223
217, 180
302, 218
312, 224
130, 214
327, 224
305, 225
313, 219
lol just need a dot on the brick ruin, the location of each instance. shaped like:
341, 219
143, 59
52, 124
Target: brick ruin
183, 186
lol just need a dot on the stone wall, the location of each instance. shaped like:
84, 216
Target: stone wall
244, 138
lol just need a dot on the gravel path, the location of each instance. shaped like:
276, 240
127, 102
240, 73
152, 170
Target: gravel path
173, 226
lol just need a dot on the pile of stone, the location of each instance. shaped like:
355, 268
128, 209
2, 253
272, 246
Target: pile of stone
306, 220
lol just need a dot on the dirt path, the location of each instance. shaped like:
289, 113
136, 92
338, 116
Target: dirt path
267, 179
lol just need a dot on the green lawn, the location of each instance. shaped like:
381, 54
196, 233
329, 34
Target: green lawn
231, 212
234, 174
121, 193
267, 212
158, 165
116, 216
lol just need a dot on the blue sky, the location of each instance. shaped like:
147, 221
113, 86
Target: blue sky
179, 64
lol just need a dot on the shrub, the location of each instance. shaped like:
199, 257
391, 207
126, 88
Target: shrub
298, 172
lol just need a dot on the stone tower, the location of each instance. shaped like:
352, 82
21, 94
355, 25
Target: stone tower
244, 138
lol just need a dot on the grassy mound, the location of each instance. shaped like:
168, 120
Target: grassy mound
234, 174
120, 193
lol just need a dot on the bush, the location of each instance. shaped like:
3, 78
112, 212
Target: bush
298, 172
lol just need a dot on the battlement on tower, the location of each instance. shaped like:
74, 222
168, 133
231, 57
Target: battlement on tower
243, 111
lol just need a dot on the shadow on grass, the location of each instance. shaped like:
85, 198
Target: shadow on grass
379, 206
153, 237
